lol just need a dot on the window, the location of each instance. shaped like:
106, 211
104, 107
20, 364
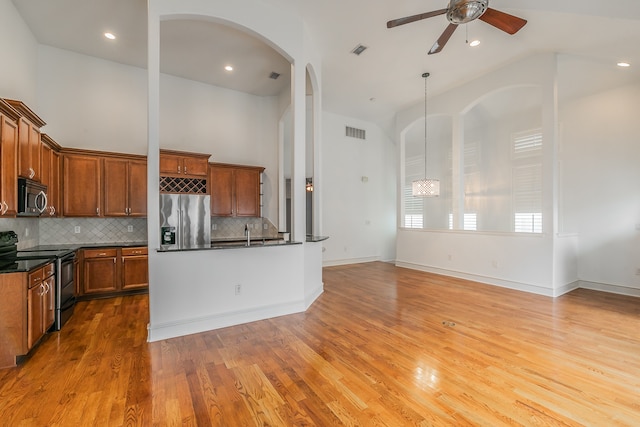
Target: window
527, 181
470, 221
413, 217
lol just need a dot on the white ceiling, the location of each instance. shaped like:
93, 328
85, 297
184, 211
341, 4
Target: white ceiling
386, 78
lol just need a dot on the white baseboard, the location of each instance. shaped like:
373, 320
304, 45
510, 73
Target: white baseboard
347, 261
196, 325
614, 289
539, 290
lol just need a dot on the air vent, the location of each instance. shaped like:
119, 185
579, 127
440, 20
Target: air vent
359, 49
355, 133
274, 75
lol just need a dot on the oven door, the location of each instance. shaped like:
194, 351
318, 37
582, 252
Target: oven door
66, 288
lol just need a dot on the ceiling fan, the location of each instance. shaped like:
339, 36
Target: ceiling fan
461, 12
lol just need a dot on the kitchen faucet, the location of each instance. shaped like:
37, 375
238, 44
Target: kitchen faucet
248, 234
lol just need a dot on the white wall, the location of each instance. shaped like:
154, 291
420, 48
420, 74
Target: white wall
189, 292
19, 66
359, 217
95, 104
513, 260
600, 186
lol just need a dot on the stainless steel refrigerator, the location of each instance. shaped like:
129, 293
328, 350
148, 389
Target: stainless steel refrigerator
185, 221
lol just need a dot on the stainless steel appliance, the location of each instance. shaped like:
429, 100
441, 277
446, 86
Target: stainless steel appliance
32, 197
185, 221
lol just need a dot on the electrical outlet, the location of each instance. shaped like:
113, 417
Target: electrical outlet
26, 232
130, 228
265, 226
238, 289
214, 226
494, 263
638, 272
76, 229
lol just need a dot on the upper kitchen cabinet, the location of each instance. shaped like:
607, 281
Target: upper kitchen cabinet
29, 142
81, 184
183, 164
50, 174
8, 160
125, 186
235, 190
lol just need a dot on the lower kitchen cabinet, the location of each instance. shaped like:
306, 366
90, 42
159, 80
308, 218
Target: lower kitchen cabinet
26, 311
135, 268
100, 271
107, 272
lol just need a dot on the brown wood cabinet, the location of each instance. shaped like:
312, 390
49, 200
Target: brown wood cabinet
40, 303
8, 160
112, 271
234, 190
50, 174
183, 164
81, 185
125, 187
29, 142
135, 268
100, 270
26, 311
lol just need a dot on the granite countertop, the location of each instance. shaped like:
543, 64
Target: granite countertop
76, 246
23, 266
236, 244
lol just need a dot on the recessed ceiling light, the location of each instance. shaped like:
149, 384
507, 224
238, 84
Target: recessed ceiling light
228, 68
474, 43
624, 64
110, 36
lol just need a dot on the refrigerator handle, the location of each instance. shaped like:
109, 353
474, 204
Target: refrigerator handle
180, 231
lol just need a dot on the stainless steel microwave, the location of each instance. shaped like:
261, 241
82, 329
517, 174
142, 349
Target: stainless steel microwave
32, 197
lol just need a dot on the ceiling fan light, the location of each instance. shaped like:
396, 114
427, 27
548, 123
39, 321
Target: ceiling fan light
463, 11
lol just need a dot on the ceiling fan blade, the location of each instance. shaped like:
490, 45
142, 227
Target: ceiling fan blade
503, 21
444, 38
414, 18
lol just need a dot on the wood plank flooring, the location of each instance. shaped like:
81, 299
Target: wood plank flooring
383, 346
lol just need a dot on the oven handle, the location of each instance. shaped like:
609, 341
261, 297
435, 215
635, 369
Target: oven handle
44, 205
70, 303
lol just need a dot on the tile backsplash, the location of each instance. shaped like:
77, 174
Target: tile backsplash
27, 230
92, 230
233, 228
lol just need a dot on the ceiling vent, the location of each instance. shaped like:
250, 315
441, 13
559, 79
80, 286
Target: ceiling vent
274, 75
359, 49
355, 133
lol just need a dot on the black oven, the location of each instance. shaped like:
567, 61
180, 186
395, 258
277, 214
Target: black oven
65, 289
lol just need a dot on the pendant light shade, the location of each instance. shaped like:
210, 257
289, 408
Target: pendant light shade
426, 187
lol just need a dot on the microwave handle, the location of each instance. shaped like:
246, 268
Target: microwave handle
44, 205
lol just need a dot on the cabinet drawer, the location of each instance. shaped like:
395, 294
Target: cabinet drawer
35, 277
48, 270
134, 251
100, 253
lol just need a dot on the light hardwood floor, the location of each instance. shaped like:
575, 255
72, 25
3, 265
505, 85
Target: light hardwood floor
383, 346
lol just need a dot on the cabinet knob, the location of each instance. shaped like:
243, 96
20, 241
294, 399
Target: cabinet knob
178, 168
97, 211
32, 173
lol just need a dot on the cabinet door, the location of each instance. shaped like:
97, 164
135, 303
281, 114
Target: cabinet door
115, 187
170, 164
9, 169
35, 144
81, 185
137, 188
135, 272
100, 275
221, 188
24, 149
48, 303
194, 166
34, 314
45, 174
247, 192
53, 193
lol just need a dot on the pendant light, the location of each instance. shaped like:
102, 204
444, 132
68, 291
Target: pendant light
425, 187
